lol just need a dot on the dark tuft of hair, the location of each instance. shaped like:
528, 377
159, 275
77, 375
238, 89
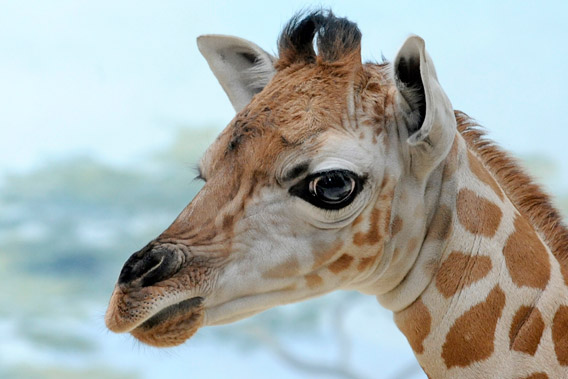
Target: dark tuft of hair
336, 38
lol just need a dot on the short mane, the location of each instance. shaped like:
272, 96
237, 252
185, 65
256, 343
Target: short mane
527, 196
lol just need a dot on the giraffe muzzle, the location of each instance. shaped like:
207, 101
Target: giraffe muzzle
151, 265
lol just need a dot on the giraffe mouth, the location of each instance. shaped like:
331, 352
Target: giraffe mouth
172, 325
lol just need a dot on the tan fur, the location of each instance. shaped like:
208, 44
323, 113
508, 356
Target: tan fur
527, 196
441, 225
451, 163
483, 175
289, 267
322, 257
415, 322
365, 262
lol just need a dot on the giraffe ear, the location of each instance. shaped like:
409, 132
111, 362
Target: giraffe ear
241, 67
427, 112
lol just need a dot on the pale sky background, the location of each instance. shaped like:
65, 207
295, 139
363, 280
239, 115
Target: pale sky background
115, 79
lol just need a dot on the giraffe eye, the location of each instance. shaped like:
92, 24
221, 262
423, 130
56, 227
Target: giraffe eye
333, 189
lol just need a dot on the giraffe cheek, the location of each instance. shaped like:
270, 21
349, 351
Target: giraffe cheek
286, 269
372, 236
322, 257
341, 264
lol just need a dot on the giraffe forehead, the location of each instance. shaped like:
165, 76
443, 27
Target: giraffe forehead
299, 104
252, 152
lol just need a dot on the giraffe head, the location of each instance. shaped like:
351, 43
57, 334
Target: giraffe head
301, 187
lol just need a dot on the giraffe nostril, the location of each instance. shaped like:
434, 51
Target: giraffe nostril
151, 265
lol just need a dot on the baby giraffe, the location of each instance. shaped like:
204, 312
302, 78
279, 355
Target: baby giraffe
336, 174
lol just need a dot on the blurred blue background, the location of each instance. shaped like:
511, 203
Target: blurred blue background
105, 106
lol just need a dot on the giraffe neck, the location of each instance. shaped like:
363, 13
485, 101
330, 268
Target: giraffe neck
485, 295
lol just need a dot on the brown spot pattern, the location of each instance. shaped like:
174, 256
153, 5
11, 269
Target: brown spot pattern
357, 220
396, 226
313, 280
460, 271
365, 262
483, 174
286, 269
322, 257
537, 375
564, 271
477, 214
414, 322
412, 245
386, 224
372, 236
228, 222
342, 263
471, 337
526, 257
560, 334
526, 330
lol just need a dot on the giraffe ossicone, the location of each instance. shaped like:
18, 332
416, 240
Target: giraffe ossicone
339, 174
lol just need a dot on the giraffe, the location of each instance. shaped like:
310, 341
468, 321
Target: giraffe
339, 174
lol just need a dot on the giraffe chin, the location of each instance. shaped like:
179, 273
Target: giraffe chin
172, 325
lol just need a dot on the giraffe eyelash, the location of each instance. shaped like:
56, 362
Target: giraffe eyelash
199, 173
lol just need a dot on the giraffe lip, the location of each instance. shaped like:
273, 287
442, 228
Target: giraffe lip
172, 325
172, 311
